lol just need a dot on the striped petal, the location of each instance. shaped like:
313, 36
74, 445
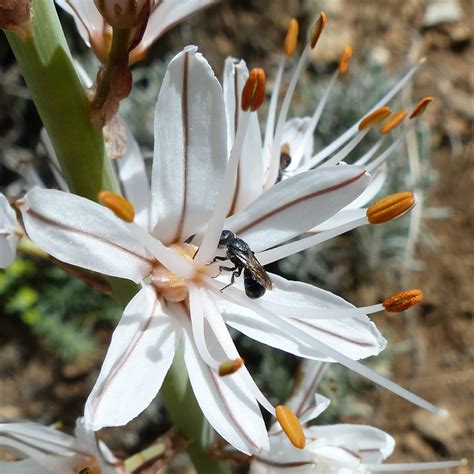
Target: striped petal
190, 147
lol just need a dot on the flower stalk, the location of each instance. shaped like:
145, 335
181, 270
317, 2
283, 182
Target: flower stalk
62, 103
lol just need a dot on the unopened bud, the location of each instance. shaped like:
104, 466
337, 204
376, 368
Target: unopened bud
390, 207
253, 93
290, 425
375, 118
402, 301
393, 121
122, 208
15, 16
420, 108
231, 366
121, 13
317, 29
291, 38
344, 62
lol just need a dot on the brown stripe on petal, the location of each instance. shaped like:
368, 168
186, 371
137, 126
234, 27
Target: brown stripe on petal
232, 416
185, 124
236, 124
117, 367
67, 228
335, 334
298, 201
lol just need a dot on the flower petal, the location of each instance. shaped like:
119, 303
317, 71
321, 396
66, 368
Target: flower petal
83, 233
167, 14
134, 182
370, 444
356, 337
249, 183
144, 342
8, 237
88, 20
225, 401
297, 204
190, 146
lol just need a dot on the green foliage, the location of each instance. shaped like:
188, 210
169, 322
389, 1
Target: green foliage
60, 310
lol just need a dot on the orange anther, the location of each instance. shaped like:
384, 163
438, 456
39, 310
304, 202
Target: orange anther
393, 121
420, 108
230, 366
118, 205
375, 118
253, 94
290, 425
344, 62
390, 207
291, 38
317, 29
402, 301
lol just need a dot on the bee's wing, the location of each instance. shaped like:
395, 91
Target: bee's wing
255, 268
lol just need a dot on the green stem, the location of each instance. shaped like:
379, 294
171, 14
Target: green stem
181, 404
62, 103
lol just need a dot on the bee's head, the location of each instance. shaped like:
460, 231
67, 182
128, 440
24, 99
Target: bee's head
226, 236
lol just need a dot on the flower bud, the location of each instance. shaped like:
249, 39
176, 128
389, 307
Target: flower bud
121, 13
15, 16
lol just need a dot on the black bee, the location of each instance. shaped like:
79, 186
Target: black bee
256, 279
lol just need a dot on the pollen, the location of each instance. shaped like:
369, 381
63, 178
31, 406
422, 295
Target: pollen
122, 208
402, 301
290, 425
420, 108
390, 207
253, 93
317, 29
291, 38
230, 366
393, 121
375, 118
344, 62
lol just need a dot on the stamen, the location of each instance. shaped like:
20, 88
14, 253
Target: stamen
234, 295
291, 39
317, 29
342, 154
349, 133
375, 118
413, 466
396, 119
290, 425
420, 108
277, 253
315, 119
122, 208
253, 93
367, 156
390, 207
230, 366
344, 62
402, 301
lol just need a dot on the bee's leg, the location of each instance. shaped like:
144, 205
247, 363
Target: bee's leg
227, 269
236, 273
218, 259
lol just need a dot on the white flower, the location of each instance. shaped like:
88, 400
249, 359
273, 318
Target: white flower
10, 233
192, 190
337, 449
44, 450
97, 34
296, 135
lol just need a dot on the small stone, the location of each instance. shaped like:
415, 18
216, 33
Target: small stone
442, 11
444, 429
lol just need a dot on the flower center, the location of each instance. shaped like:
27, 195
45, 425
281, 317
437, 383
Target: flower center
170, 286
